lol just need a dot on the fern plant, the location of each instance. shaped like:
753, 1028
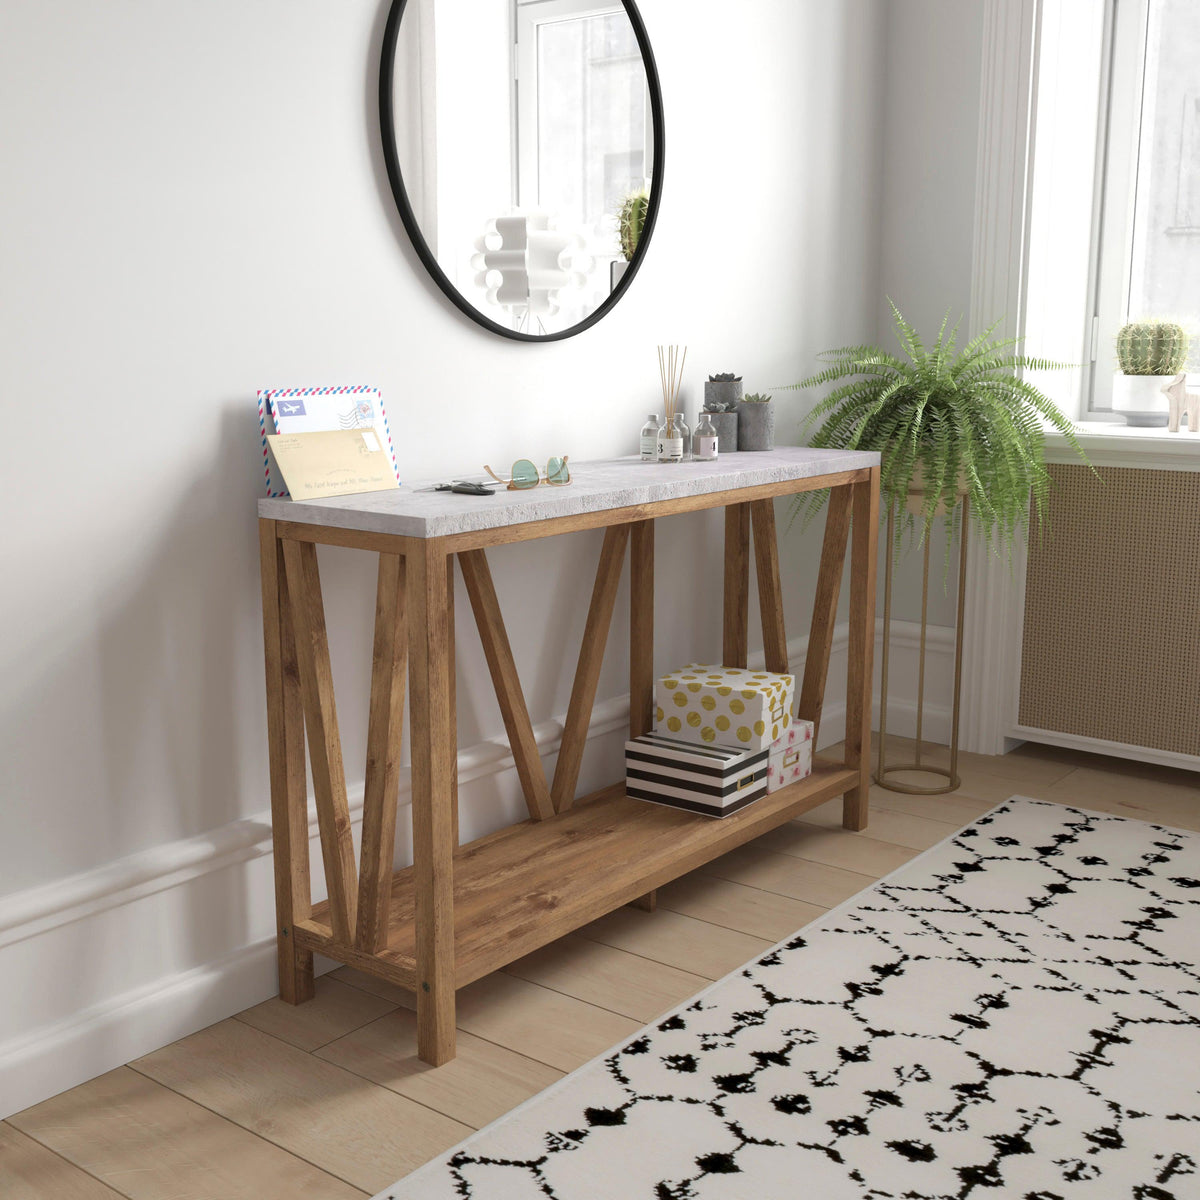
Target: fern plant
944, 422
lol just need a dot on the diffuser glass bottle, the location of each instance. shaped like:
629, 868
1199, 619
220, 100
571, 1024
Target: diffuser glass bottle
649, 441
670, 441
704, 440
674, 437
685, 436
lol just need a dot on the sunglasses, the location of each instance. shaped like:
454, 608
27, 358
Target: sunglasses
526, 475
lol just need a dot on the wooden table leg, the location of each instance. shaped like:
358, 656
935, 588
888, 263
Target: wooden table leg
452, 675
289, 793
735, 643
324, 741
587, 672
864, 552
825, 605
433, 757
641, 628
770, 590
389, 662
641, 647
481, 591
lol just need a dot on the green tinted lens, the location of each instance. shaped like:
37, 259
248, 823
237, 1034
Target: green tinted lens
556, 471
524, 474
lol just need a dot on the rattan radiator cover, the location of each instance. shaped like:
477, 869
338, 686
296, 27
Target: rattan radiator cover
1111, 646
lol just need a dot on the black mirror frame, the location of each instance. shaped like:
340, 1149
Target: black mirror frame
387, 131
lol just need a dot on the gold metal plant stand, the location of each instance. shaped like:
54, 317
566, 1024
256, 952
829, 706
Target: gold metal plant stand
884, 774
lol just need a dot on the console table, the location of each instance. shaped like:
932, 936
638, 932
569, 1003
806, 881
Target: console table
462, 911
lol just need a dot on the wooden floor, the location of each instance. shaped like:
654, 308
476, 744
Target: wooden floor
328, 1100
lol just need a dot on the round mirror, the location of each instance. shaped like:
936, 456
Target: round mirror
524, 145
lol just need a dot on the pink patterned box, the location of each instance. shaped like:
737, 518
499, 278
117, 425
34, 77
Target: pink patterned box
791, 754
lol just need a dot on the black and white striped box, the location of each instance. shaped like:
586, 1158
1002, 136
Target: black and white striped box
713, 780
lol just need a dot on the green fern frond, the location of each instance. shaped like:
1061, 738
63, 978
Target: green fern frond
960, 420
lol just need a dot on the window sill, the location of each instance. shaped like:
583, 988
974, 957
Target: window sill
1114, 444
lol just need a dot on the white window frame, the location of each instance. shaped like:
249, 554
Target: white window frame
1121, 127
528, 16
1062, 178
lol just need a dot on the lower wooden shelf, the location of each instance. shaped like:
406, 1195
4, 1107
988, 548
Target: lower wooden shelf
528, 884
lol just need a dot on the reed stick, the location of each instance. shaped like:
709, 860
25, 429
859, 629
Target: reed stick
671, 363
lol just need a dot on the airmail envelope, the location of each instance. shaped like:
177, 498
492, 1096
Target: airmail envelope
337, 462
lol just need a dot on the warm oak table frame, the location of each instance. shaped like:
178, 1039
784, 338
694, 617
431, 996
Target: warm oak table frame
463, 911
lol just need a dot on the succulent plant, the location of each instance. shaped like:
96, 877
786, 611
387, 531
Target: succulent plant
720, 406
756, 398
726, 377
631, 221
1152, 348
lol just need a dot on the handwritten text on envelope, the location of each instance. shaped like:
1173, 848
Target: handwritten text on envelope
335, 462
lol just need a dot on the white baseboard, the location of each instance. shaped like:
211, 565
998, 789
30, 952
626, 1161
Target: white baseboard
1074, 741
92, 981
60, 1055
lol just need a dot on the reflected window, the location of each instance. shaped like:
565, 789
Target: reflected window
582, 132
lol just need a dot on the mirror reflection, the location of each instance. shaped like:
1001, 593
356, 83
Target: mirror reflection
524, 139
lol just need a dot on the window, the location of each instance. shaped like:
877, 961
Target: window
1149, 256
1114, 217
1063, 203
580, 59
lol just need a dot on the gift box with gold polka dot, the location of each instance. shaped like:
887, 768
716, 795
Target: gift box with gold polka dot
724, 706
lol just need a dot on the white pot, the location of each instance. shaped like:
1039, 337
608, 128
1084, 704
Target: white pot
1140, 393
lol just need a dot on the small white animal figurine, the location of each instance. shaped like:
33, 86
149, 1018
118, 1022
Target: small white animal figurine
1184, 403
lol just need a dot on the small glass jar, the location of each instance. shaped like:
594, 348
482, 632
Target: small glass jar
704, 440
685, 436
670, 441
649, 441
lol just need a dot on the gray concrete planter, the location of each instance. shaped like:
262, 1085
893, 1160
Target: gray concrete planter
725, 392
756, 426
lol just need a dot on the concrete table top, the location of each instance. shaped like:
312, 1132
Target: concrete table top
415, 510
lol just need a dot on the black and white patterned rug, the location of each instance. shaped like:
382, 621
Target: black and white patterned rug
1014, 1013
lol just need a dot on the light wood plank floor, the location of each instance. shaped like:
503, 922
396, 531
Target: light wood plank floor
328, 1100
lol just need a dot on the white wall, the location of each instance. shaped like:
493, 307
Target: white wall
195, 206
931, 132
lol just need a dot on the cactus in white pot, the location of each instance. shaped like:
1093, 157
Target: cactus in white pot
1150, 354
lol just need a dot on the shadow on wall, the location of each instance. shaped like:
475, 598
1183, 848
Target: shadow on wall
168, 667
168, 653
170, 640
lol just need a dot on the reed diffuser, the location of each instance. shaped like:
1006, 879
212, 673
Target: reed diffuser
672, 434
